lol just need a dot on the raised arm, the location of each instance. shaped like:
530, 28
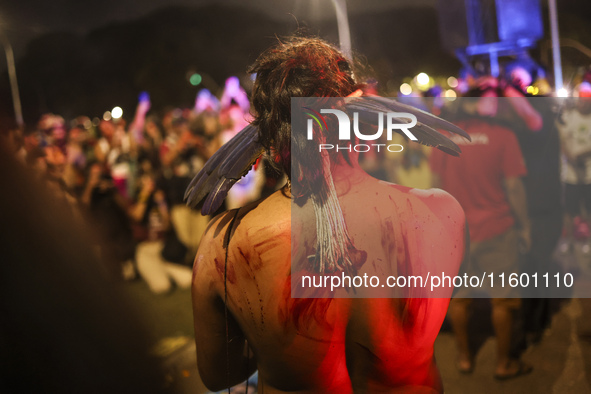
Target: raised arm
136, 128
523, 108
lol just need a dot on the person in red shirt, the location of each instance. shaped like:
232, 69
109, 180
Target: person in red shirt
486, 182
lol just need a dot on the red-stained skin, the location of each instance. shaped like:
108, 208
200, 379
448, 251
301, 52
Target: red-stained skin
328, 344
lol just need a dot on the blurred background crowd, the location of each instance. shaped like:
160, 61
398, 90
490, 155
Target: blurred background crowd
128, 178
127, 181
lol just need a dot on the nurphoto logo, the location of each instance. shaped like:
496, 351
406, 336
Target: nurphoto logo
394, 121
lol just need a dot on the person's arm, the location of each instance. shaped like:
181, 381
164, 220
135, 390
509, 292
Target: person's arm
136, 127
93, 180
223, 358
515, 192
523, 108
138, 210
101, 150
160, 201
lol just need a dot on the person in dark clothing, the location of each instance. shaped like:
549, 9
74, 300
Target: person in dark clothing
541, 152
65, 327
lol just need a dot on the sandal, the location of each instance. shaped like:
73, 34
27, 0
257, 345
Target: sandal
465, 371
523, 369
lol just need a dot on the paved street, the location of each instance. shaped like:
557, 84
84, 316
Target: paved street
561, 361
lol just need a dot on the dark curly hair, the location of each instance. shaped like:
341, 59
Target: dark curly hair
295, 67
305, 67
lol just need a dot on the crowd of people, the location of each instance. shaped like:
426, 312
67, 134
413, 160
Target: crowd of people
523, 183
127, 181
525, 172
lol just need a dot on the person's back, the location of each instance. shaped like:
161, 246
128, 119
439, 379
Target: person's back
476, 179
340, 222
329, 344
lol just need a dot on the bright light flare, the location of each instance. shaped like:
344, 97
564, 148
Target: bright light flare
533, 90
405, 89
423, 79
117, 113
452, 82
107, 116
195, 79
562, 92
450, 94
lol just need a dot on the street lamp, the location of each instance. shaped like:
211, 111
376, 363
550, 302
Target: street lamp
18, 112
558, 84
343, 25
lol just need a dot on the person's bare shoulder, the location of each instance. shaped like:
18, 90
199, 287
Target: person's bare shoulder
270, 214
442, 204
436, 221
238, 221
244, 229
211, 254
429, 202
263, 232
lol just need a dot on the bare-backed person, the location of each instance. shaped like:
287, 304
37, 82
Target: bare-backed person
244, 261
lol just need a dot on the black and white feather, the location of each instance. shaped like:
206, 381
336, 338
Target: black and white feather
234, 159
231, 162
425, 129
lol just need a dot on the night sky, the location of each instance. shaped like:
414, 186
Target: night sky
24, 20
399, 38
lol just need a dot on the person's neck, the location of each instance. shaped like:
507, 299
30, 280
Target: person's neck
344, 174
